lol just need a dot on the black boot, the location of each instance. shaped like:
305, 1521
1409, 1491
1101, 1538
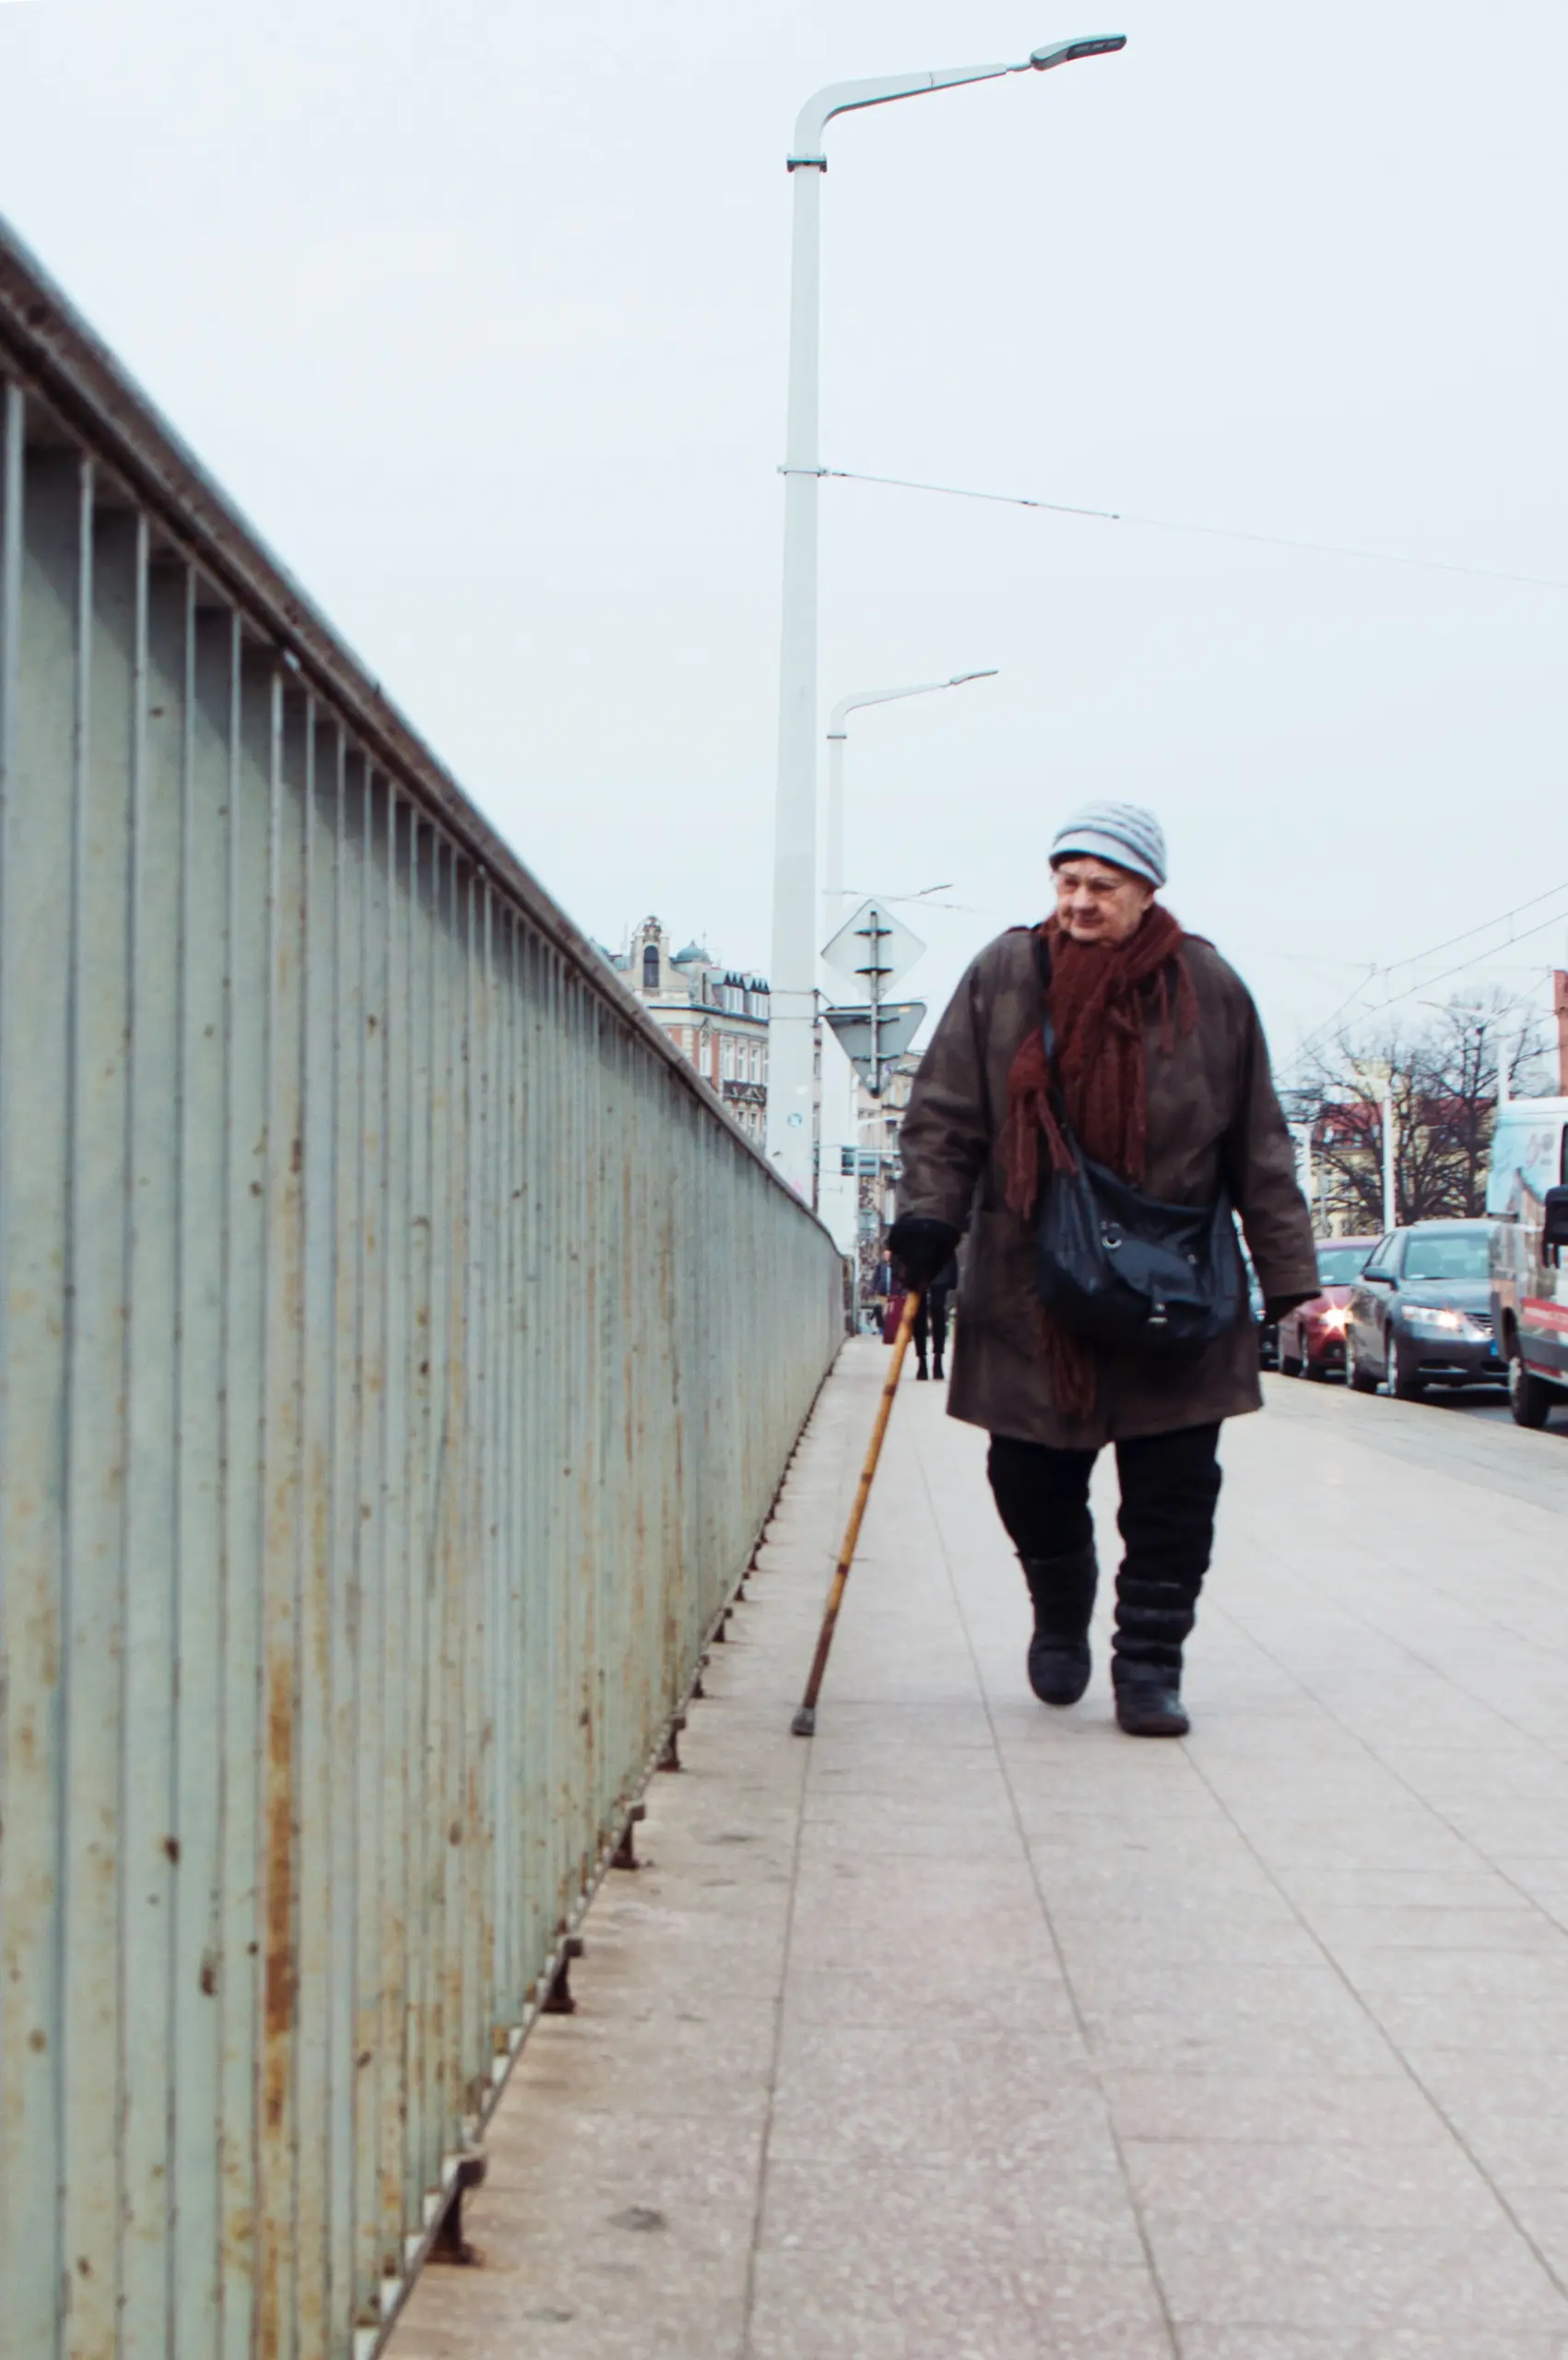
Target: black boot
1149, 1700
921, 1372
1062, 1590
938, 1371
1153, 1620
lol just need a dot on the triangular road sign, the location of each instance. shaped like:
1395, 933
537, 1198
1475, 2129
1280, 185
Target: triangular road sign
897, 1023
873, 944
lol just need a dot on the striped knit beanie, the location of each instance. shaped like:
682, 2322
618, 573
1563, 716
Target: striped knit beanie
1123, 834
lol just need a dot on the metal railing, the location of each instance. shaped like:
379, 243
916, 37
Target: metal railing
399, 1352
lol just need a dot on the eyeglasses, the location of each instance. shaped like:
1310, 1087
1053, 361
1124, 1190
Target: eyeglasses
1102, 888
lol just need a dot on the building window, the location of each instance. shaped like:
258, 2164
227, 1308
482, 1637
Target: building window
651, 967
727, 1059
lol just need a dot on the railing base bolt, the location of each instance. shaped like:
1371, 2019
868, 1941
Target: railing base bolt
450, 2244
559, 2000
670, 1758
625, 1855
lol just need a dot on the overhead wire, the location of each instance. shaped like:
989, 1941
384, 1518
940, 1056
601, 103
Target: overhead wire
1425, 983
1316, 549
1418, 958
1207, 532
1484, 928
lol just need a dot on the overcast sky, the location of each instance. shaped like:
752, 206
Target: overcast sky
477, 309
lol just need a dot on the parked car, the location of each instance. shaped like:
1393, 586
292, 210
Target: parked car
1528, 1195
1312, 1338
1420, 1312
1268, 1329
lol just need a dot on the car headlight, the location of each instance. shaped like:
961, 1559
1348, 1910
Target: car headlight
1336, 1319
1432, 1316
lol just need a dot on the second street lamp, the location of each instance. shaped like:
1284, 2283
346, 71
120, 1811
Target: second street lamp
837, 1193
794, 963
832, 882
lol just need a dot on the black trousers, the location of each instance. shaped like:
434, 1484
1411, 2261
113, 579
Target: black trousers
931, 1322
1169, 1490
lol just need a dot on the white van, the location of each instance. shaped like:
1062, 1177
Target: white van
1527, 1194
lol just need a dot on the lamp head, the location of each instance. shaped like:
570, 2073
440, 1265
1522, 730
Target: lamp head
1063, 52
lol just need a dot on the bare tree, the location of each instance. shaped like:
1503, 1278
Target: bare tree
1441, 1081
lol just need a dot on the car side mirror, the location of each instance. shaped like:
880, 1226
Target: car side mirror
1554, 1226
1377, 1277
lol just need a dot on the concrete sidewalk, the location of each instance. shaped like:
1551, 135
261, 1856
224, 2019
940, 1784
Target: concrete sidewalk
973, 2029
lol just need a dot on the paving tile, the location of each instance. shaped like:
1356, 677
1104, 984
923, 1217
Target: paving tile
1349, 2280
1085, 2310
961, 1989
1543, 2215
1092, 1944
846, 2313
599, 2321
1466, 2342
862, 2094
1301, 2185
1518, 2148
714, 2067
1286, 2020
1263, 2107
1471, 1983
1387, 1933
633, 2226
1431, 2021
1069, 2211
1340, 1885
841, 1822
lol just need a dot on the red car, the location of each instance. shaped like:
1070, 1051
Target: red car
1312, 1338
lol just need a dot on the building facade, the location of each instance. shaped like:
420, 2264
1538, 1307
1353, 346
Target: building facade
717, 1015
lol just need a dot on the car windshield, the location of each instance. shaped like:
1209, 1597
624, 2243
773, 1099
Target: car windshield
1454, 1254
1338, 1264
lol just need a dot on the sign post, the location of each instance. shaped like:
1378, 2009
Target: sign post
873, 950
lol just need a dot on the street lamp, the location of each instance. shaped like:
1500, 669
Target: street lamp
794, 965
832, 892
839, 1128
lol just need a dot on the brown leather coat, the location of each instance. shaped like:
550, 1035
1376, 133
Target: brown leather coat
1212, 1114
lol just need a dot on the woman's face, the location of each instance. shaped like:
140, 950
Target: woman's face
1096, 902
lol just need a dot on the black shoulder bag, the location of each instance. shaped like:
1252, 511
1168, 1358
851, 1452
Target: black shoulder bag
1122, 1269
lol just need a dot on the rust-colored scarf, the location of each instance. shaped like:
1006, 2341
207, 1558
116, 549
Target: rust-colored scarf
1101, 1000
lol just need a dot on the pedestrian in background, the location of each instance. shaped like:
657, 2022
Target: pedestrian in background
1161, 1066
881, 1294
931, 1318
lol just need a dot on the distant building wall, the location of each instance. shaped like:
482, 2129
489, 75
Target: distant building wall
717, 1015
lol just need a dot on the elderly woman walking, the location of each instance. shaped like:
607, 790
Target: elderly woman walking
1107, 1037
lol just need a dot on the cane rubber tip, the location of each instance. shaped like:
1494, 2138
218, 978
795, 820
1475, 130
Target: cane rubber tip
805, 1722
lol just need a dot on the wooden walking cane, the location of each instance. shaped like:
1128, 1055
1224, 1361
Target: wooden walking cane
805, 1721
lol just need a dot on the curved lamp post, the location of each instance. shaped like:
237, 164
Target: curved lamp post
832, 879
840, 1128
794, 965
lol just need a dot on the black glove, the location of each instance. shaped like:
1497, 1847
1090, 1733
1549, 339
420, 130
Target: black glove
917, 1248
